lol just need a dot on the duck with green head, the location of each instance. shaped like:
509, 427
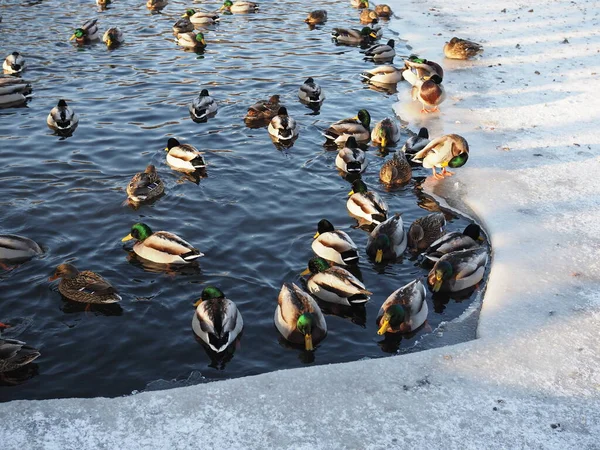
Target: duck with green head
416, 69
184, 157
385, 133
192, 40
201, 17
405, 309
454, 241
239, 7
358, 127
388, 240
334, 245
87, 33
113, 37
353, 36
450, 150
366, 206
458, 270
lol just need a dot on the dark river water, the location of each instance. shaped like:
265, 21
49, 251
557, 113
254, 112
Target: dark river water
253, 215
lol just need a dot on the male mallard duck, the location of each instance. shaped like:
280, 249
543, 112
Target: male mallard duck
417, 142
183, 26
426, 230
453, 242
298, 317
14, 63
192, 40
360, 3
334, 245
383, 10
87, 33
395, 171
145, 185
217, 320
385, 133
367, 15
405, 309
385, 74
459, 270
15, 248
334, 284
376, 28
358, 127
239, 6
388, 240
156, 5
113, 37
416, 69
283, 127
353, 36
15, 354
161, 247
201, 17
310, 92
461, 49
430, 93
365, 205
316, 17
184, 157
450, 150
381, 52
84, 287
62, 118
13, 91
264, 109
350, 158
203, 106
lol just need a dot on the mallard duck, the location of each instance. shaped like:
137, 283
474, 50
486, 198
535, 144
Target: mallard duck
14, 92
217, 320
15, 354
360, 3
454, 241
84, 287
367, 15
381, 52
396, 171
14, 63
383, 10
426, 230
310, 92
417, 68
353, 36
87, 33
385, 133
183, 26
298, 317
405, 309
203, 106
358, 127
385, 74
417, 142
365, 205
239, 7
264, 109
459, 270
156, 5
145, 185
461, 49
161, 247
350, 158
103, 3
388, 240
184, 157
15, 248
201, 17
113, 37
316, 17
62, 118
376, 28
334, 284
450, 150
192, 40
334, 245
283, 127
430, 93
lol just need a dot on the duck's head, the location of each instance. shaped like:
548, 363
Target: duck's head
459, 160
139, 231
364, 117
434, 78
363, 4
381, 244
415, 234
209, 293
150, 169
274, 99
172, 143
78, 34
358, 187
385, 132
423, 133
391, 43
442, 271
304, 324
282, 111
309, 80
324, 226
226, 5
110, 39
316, 265
473, 231
351, 142
61, 104
367, 31
188, 13
393, 317
67, 271
200, 38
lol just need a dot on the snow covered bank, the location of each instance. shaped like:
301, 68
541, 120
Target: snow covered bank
532, 379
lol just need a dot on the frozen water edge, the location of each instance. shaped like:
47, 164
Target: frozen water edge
532, 379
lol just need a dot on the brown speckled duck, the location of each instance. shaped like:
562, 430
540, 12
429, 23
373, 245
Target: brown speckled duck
264, 109
461, 49
84, 287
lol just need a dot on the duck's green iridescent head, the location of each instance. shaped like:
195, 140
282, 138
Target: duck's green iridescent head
226, 5
317, 265
304, 324
442, 271
367, 31
381, 244
393, 317
415, 59
189, 13
385, 132
139, 231
79, 33
459, 160
364, 117
211, 292
363, 4
358, 187
200, 38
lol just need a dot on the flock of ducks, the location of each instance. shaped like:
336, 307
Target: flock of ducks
459, 259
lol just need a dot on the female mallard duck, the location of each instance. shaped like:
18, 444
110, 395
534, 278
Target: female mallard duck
459, 270
87, 33
62, 118
453, 242
385, 74
145, 186
360, 3
350, 158
298, 317
201, 17
384, 11
15, 354
14, 92
203, 106
430, 93
334, 245
283, 127
161, 247
264, 109
381, 52
405, 309
217, 320
416, 69
426, 230
388, 240
310, 92
461, 49
367, 15
385, 133
17, 249
239, 7
192, 40
396, 171
103, 4
183, 26
359, 127
184, 157
14, 63
417, 142
366, 206
156, 5
316, 17
334, 284
353, 36
113, 37
84, 287
450, 150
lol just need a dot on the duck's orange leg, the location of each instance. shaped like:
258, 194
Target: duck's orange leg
436, 175
446, 173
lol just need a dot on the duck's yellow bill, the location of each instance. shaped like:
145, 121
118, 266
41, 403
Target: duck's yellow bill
222, 8
317, 234
184, 15
109, 43
127, 238
72, 37
197, 303
306, 272
437, 285
384, 327
373, 35
202, 42
444, 164
383, 142
351, 193
308, 343
379, 256
166, 149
